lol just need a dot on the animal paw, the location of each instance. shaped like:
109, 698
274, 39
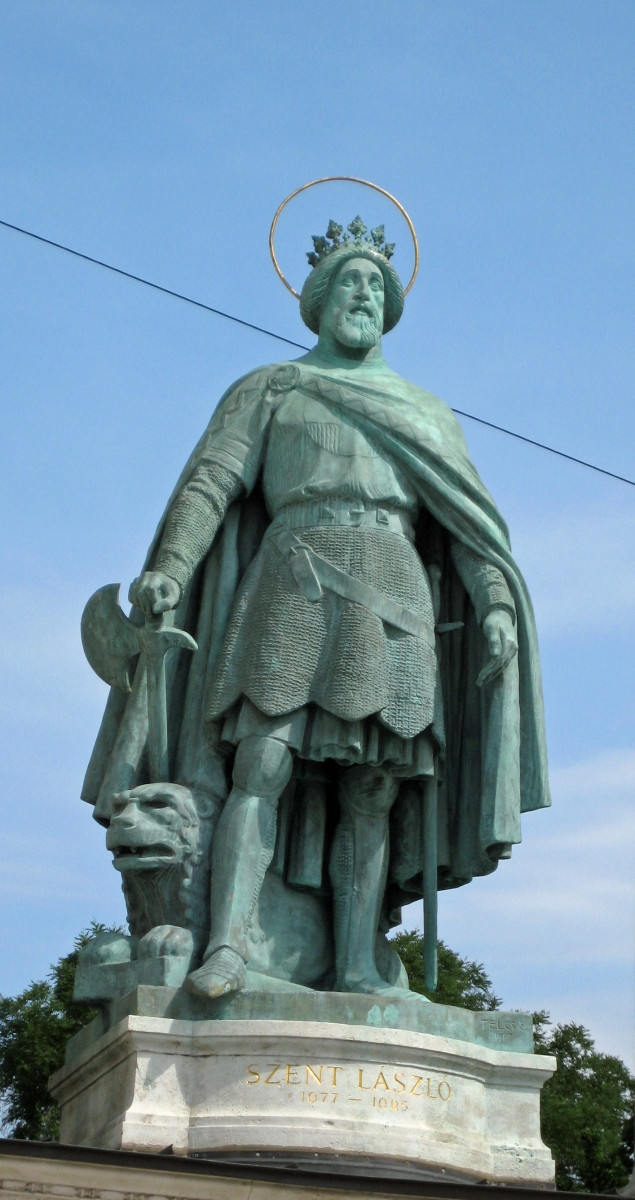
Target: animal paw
107, 948
166, 940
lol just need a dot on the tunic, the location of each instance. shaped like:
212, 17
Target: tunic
328, 676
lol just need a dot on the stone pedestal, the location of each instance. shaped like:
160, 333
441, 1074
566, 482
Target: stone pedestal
340, 1096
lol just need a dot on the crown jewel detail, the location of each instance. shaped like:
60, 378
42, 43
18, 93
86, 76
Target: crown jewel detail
357, 235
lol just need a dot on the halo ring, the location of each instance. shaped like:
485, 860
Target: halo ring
341, 179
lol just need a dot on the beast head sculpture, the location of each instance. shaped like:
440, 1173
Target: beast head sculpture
160, 835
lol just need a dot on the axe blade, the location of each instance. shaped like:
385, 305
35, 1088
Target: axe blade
110, 639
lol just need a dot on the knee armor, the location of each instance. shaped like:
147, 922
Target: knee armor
262, 766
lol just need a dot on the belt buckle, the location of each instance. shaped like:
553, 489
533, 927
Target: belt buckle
383, 517
356, 514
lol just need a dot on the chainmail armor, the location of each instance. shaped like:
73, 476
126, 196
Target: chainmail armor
283, 651
193, 520
484, 583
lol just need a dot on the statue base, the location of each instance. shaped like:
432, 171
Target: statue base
354, 1098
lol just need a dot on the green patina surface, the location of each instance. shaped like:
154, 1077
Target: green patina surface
327, 700
499, 1030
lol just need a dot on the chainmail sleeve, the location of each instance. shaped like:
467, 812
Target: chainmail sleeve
194, 518
484, 583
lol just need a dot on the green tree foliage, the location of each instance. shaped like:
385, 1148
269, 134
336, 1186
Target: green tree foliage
460, 981
34, 1029
587, 1110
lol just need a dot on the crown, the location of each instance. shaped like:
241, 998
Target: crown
357, 235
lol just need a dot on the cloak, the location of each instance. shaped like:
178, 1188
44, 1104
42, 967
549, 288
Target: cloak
494, 760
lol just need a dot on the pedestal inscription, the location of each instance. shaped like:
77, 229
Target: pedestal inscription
344, 1093
343, 1081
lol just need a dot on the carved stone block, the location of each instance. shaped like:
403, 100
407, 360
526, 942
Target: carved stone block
291, 1091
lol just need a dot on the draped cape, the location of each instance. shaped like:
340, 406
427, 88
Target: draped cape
494, 762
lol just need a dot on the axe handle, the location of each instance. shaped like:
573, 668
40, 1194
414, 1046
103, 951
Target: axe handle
158, 638
157, 718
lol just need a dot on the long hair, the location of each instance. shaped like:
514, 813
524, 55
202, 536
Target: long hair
318, 285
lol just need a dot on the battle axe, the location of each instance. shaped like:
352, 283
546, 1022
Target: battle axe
111, 640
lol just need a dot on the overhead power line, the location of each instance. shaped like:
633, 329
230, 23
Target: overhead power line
218, 312
148, 283
541, 446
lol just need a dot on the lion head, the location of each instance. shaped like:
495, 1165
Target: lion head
160, 836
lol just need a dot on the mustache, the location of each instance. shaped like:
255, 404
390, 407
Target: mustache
362, 306
360, 313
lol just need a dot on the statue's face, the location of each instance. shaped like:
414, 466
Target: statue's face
354, 311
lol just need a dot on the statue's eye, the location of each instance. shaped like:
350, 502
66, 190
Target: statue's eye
159, 802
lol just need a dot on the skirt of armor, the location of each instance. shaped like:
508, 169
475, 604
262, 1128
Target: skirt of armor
283, 652
318, 736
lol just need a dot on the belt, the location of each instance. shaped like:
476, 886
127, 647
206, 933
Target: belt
349, 513
314, 574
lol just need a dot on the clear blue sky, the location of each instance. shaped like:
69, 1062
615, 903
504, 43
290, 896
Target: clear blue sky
160, 135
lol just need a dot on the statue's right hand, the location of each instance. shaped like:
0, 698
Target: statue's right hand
155, 593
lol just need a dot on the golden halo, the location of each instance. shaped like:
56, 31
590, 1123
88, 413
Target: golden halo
345, 179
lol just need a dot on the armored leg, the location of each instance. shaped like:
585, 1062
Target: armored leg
243, 847
358, 868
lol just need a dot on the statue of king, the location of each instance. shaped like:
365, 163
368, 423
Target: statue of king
364, 635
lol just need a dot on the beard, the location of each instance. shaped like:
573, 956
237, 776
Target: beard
357, 329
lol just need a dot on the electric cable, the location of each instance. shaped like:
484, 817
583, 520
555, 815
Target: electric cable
269, 333
541, 446
148, 283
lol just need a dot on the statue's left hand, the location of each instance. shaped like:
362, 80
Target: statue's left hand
499, 630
